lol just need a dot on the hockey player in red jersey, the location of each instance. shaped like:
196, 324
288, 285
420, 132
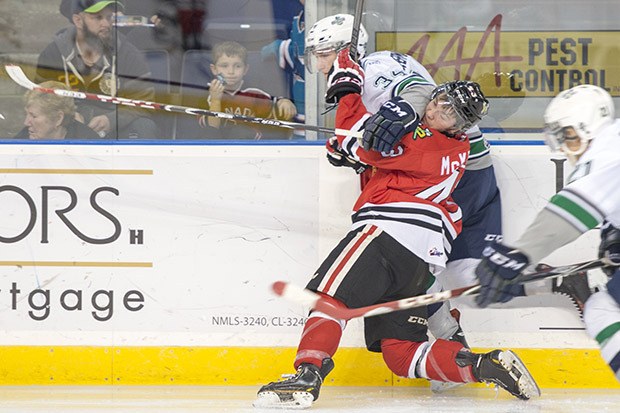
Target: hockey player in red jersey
403, 222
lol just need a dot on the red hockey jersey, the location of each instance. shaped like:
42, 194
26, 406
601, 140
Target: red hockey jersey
409, 195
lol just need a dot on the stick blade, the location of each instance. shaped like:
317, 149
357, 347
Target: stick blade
295, 293
17, 74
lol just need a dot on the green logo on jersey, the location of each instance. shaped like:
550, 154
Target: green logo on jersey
422, 133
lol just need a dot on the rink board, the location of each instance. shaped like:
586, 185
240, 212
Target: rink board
151, 264
552, 368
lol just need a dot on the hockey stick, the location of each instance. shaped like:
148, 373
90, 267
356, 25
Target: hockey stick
355, 34
17, 74
317, 302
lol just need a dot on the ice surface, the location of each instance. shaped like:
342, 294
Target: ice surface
236, 399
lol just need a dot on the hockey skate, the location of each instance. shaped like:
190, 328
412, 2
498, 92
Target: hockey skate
441, 386
575, 287
296, 392
503, 368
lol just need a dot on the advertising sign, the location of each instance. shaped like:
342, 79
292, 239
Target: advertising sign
514, 63
153, 245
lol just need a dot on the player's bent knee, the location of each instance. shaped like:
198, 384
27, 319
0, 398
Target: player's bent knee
602, 318
400, 355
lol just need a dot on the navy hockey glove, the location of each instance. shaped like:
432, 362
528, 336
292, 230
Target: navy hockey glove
610, 248
345, 77
384, 129
498, 274
338, 157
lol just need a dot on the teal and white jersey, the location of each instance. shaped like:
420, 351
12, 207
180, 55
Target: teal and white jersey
479, 150
591, 194
589, 198
389, 74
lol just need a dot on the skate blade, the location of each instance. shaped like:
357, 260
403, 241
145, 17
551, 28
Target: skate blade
295, 401
442, 386
527, 385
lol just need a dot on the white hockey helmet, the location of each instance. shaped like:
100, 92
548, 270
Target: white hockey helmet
586, 108
333, 33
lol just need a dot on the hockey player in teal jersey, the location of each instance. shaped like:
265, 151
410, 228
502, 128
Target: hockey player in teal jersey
580, 122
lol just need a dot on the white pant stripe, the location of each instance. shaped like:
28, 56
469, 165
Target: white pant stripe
349, 255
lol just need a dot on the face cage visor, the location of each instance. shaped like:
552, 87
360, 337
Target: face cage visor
449, 109
555, 138
311, 55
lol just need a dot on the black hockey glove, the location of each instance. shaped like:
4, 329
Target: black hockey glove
610, 248
343, 78
384, 129
338, 157
498, 274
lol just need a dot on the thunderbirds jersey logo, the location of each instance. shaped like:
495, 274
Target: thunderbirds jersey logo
338, 20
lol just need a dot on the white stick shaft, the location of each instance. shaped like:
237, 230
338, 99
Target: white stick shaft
17, 74
296, 294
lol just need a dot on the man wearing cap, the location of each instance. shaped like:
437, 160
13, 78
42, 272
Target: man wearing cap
91, 57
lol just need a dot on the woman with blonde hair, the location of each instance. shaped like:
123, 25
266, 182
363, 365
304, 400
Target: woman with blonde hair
49, 116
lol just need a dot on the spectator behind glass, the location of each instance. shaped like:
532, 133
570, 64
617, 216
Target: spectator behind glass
49, 116
191, 15
91, 57
289, 54
227, 94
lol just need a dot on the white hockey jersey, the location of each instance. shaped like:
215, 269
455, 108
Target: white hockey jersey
591, 194
387, 74
589, 198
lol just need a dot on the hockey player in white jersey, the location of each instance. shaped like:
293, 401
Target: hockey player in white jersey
580, 122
